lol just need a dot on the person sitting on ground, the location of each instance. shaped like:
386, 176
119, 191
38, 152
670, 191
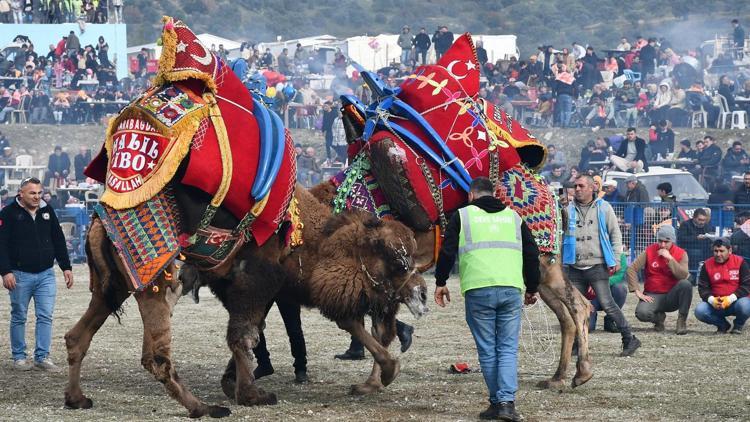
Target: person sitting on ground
665, 192
724, 285
631, 155
636, 190
666, 288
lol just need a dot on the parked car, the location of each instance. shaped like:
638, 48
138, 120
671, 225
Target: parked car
684, 185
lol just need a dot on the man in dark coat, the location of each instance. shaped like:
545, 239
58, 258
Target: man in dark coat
648, 58
736, 161
58, 165
691, 236
422, 44
742, 195
636, 191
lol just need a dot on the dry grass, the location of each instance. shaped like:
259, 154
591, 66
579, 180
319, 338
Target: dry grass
699, 376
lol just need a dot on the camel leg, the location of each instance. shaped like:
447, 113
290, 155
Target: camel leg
77, 342
242, 336
551, 297
155, 311
578, 306
385, 368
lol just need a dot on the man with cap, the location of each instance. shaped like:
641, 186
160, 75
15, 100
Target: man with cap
724, 285
665, 287
611, 193
636, 191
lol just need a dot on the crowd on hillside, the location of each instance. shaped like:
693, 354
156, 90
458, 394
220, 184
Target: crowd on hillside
61, 11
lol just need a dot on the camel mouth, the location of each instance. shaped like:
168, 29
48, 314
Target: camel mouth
417, 302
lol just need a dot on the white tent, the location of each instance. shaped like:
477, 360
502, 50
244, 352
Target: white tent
499, 47
371, 52
307, 42
206, 39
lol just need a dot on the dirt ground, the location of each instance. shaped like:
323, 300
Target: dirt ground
699, 376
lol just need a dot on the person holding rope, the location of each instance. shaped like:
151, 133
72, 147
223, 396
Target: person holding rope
497, 256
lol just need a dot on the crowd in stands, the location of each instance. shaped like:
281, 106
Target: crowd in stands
61, 11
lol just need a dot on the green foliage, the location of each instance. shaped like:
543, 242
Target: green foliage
535, 22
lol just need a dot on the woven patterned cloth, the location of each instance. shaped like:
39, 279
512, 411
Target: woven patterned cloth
357, 188
145, 236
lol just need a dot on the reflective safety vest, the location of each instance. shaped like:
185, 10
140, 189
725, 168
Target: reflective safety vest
490, 249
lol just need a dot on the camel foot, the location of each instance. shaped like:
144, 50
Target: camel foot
583, 374
551, 384
228, 385
364, 389
389, 371
255, 396
80, 403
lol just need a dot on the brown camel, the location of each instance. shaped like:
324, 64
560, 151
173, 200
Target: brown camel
368, 253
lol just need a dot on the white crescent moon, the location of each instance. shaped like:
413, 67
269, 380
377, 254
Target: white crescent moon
449, 68
206, 59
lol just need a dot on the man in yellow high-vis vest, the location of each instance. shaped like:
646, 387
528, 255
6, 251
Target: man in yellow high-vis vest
497, 257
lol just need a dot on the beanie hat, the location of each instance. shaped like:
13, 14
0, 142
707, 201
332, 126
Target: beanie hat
666, 233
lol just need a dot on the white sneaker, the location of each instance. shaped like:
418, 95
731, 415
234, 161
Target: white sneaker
47, 365
21, 365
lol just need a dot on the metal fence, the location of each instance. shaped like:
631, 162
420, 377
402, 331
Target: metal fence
639, 223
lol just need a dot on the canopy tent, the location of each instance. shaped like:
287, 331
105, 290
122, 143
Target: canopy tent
207, 39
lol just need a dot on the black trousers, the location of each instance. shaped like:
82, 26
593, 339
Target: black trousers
357, 346
290, 313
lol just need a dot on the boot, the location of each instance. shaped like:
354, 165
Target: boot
300, 376
404, 333
629, 347
659, 318
356, 351
506, 411
681, 325
262, 370
489, 413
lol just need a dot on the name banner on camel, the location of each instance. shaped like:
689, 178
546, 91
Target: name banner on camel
137, 153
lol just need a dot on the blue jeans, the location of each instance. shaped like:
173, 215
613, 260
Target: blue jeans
565, 102
494, 318
41, 286
405, 56
619, 294
708, 314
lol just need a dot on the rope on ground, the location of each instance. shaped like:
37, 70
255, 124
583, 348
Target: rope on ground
541, 342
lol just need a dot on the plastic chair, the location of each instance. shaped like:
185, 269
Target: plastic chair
91, 198
21, 111
699, 118
24, 160
724, 112
632, 76
739, 119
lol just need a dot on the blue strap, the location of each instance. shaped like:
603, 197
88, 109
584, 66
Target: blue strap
277, 154
264, 157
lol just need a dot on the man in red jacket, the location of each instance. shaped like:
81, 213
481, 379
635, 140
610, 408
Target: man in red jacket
724, 285
665, 287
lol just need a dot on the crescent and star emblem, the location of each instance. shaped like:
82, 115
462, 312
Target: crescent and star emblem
206, 59
469, 66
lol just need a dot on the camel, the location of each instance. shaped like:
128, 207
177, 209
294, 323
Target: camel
372, 261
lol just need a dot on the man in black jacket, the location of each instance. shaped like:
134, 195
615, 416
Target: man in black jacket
742, 195
30, 241
422, 43
692, 237
631, 155
58, 166
708, 161
493, 298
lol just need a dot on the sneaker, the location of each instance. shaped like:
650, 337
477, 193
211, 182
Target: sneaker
47, 365
736, 329
659, 323
21, 365
630, 347
351, 355
724, 328
405, 337
506, 411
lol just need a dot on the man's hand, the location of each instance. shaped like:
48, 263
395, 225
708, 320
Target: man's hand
644, 297
615, 269
442, 296
665, 253
68, 275
9, 281
530, 298
715, 302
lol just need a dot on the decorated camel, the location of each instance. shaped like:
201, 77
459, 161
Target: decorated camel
178, 180
413, 153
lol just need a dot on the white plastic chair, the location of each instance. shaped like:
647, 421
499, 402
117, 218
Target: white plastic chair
724, 112
24, 160
739, 119
699, 118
